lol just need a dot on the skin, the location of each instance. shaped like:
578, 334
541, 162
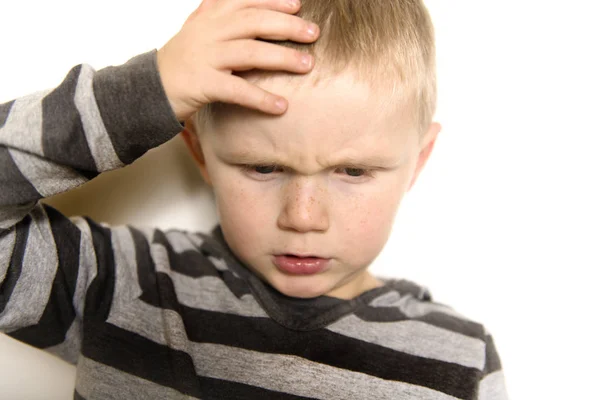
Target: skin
343, 165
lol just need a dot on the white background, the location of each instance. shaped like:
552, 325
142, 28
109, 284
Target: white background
503, 225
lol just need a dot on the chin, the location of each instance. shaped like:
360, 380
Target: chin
302, 288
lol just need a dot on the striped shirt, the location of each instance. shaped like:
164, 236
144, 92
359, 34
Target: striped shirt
151, 314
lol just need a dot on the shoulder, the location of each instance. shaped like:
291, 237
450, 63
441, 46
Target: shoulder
403, 318
410, 301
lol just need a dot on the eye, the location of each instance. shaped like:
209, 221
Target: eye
261, 171
355, 172
264, 169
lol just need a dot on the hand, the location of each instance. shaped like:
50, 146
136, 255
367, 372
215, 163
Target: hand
196, 66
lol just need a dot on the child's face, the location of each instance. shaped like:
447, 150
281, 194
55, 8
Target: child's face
329, 178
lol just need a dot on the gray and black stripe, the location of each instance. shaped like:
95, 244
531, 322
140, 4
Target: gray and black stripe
174, 315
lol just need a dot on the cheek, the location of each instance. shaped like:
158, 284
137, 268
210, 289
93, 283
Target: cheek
368, 218
243, 213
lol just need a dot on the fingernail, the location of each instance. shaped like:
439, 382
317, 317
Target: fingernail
280, 104
294, 3
312, 29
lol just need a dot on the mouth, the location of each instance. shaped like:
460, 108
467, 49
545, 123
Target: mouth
296, 264
301, 255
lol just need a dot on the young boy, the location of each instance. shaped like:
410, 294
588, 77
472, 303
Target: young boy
277, 302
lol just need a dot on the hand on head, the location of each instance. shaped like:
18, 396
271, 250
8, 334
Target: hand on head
219, 38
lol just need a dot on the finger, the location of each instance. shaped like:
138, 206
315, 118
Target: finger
239, 91
243, 55
271, 25
285, 6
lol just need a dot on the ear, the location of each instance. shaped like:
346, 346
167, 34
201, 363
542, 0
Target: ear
426, 147
190, 137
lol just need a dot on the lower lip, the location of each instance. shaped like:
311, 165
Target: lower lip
300, 266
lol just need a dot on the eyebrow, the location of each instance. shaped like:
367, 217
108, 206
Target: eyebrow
363, 162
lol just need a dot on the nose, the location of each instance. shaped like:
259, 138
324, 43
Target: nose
304, 207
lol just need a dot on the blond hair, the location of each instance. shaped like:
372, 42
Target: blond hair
388, 44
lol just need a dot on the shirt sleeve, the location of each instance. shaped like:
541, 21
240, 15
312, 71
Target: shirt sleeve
52, 268
492, 385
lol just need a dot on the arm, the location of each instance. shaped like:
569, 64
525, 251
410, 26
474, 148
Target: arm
56, 140
51, 142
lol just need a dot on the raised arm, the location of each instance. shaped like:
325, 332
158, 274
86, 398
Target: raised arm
50, 142
55, 140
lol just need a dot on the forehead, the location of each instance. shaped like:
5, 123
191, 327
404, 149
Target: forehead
336, 116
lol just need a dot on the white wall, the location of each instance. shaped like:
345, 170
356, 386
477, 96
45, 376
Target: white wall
504, 224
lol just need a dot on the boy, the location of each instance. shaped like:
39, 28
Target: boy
277, 302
